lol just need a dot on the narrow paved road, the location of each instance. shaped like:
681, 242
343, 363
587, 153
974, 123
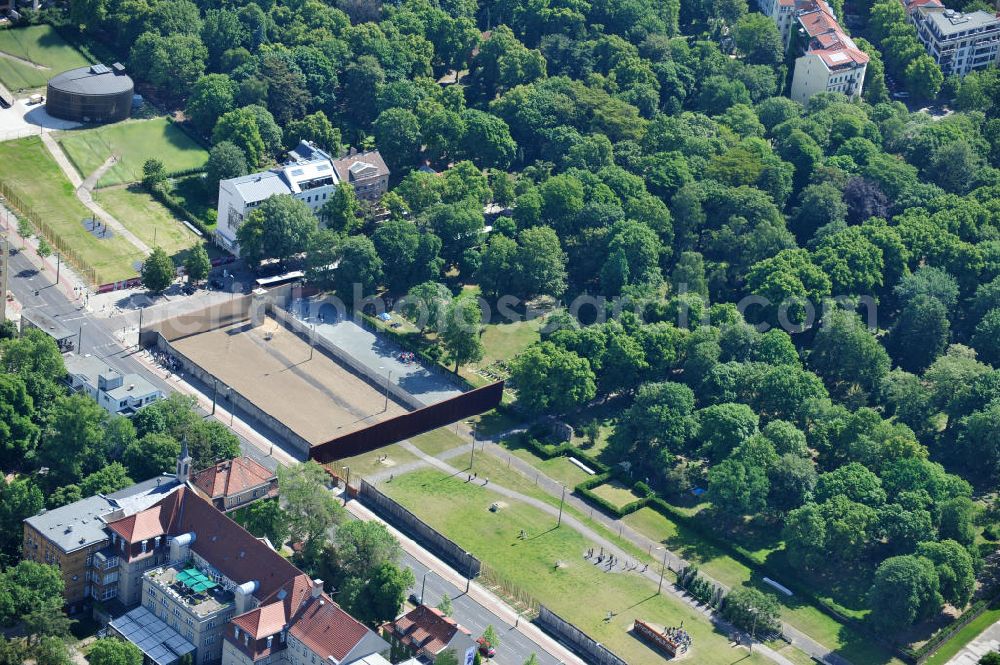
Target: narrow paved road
985, 642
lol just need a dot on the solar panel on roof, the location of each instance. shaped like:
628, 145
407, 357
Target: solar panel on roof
838, 57
99, 69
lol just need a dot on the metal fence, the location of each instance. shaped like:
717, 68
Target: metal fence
440, 546
57, 242
592, 651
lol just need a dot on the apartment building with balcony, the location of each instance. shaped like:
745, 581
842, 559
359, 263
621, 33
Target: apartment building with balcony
75, 539
959, 42
310, 174
182, 580
826, 58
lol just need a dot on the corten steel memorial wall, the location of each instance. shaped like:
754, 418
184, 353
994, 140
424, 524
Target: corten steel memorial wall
409, 425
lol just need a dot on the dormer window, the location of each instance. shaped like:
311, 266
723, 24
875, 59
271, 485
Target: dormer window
270, 639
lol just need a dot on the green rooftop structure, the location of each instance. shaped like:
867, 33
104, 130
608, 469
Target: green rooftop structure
195, 580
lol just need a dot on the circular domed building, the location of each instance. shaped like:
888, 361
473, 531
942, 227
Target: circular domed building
97, 93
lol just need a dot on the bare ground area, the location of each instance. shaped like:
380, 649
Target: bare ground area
318, 398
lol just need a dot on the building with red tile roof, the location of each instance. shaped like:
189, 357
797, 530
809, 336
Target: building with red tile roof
425, 632
212, 589
235, 483
828, 59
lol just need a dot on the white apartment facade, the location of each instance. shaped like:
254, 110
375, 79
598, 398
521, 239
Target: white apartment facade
308, 176
828, 59
959, 43
311, 175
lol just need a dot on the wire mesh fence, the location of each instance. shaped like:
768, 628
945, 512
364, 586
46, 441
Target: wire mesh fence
516, 597
52, 237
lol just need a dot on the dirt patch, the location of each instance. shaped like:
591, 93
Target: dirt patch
304, 389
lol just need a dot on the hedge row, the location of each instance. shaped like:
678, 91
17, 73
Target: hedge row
174, 206
584, 490
937, 641
194, 136
565, 449
422, 350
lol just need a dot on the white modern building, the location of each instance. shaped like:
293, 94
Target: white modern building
117, 393
829, 60
959, 43
310, 175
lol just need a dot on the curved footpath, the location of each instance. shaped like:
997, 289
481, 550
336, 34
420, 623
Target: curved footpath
581, 528
798, 639
83, 190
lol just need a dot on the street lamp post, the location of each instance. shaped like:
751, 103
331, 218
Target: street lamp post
663, 569
347, 484
753, 626
561, 501
388, 380
423, 586
58, 265
472, 457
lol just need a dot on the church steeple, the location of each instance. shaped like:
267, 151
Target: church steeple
183, 463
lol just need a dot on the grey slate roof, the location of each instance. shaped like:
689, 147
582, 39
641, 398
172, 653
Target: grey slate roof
86, 365
260, 186
139, 387
79, 524
83, 81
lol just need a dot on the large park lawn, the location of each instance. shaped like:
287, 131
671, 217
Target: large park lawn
148, 219
28, 168
134, 142
38, 44
576, 589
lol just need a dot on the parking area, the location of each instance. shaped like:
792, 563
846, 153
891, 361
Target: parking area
22, 119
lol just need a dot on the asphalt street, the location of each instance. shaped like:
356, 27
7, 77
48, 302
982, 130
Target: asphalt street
514, 649
98, 337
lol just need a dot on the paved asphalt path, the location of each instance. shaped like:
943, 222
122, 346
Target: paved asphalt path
99, 339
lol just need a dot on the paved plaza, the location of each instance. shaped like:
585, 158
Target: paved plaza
379, 354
